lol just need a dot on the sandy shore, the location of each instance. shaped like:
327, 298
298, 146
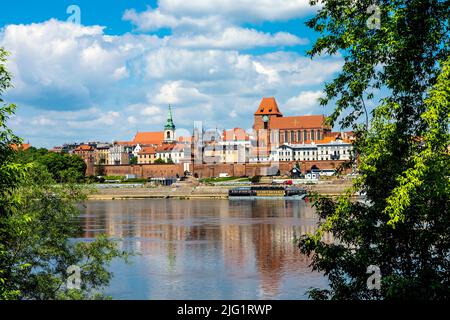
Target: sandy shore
195, 192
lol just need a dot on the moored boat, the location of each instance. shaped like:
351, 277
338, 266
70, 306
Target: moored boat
267, 192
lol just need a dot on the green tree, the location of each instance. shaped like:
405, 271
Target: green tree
169, 161
403, 227
38, 222
134, 161
159, 161
63, 167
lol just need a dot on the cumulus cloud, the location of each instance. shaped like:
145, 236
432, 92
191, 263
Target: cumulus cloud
75, 82
307, 102
58, 65
238, 38
200, 13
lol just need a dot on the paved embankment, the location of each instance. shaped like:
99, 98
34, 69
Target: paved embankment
196, 192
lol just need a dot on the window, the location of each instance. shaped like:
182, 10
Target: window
292, 136
286, 136
305, 135
313, 135
299, 136
319, 135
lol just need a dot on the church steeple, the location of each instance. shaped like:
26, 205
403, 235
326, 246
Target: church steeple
169, 128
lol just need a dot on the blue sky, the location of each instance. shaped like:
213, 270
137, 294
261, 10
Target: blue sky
116, 72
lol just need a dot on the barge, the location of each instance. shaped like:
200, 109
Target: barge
266, 192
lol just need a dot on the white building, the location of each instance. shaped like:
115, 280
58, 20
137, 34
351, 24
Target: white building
120, 153
334, 150
178, 153
326, 151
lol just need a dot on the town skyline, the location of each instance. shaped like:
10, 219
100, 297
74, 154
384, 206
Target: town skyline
114, 72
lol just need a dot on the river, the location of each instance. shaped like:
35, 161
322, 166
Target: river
206, 249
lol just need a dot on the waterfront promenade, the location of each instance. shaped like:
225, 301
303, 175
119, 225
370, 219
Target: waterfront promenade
186, 191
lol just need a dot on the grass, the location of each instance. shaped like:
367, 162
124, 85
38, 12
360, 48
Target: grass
224, 179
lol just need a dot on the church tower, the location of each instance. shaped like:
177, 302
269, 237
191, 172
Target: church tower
267, 110
169, 128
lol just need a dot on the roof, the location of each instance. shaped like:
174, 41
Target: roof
147, 150
268, 106
84, 147
149, 138
236, 134
22, 147
172, 147
124, 143
299, 122
184, 139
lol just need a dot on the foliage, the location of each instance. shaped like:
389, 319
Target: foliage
63, 167
38, 225
159, 161
403, 227
134, 160
255, 179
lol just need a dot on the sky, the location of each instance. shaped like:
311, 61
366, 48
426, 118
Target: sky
114, 71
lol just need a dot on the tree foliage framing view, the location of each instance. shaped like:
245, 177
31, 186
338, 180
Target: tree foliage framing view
38, 222
403, 227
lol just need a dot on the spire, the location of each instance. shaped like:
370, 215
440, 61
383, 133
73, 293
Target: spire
169, 124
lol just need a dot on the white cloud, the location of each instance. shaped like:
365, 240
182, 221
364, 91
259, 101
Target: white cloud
58, 65
201, 13
237, 38
307, 102
76, 83
175, 92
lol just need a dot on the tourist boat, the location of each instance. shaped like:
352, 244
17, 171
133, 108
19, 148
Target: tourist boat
257, 192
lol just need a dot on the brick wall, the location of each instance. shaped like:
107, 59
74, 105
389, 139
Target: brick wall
145, 170
207, 171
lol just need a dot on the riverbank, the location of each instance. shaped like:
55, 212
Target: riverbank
187, 191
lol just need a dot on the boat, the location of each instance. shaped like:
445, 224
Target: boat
266, 192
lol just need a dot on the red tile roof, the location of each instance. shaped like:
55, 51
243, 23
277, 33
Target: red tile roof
84, 147
154, 138
124, 143
236, 134
300, 122
268, 106
22, 147
148, 150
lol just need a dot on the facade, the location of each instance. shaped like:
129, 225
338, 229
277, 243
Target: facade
176, 153
102, 154
327, 149
273, 129
147, 155
120, 153
234, 146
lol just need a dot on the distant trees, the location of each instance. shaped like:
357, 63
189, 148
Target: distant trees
134, 160
62, 167
162, 161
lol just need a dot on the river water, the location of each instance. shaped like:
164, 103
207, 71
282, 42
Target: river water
206, 249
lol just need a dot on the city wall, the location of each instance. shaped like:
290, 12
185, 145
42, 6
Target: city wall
214, 170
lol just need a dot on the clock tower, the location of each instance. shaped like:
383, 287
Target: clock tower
267, 110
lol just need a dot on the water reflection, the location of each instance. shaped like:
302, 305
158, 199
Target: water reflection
207, 249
